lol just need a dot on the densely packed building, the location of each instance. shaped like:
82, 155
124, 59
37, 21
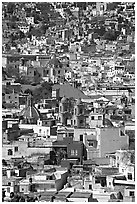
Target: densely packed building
68, 101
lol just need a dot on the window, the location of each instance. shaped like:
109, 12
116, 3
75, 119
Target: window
122, 134
97, 180
72, 152
16, 149
10, 152
92, 117
76, 152
131, 193
8, 83
109, 183
71, 134
80, 111
90, 186
119, 112
91, 144
81, 138
9, 97
129, 176
81, 121
59, 72
8, 190
99, 117
52, 186
54, 72
39, 130
71, 122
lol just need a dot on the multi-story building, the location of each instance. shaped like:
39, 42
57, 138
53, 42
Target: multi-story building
99, 141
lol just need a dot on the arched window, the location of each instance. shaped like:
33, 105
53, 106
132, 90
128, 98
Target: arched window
10, 152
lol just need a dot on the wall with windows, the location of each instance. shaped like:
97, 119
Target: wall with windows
12, 98
80, 134
95, 120
40, 130
129, 192
16, 149
75, 150
20, 148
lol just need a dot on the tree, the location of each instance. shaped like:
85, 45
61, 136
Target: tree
3, 194
44, 27
110, 35
127, 157
11, 7
119, 195
4, 163
35, 32
28, 91
60, 154
21, 35
12, 71
112, 6
43, 92
37, 77
112, 196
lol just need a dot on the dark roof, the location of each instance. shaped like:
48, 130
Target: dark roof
80, 195
130, 187
59, 143
63, 194
65, 142
120, 177
111, 108
94, 97
69, 91
97, 161
54, 61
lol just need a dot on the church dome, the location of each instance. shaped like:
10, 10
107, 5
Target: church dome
30, 114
